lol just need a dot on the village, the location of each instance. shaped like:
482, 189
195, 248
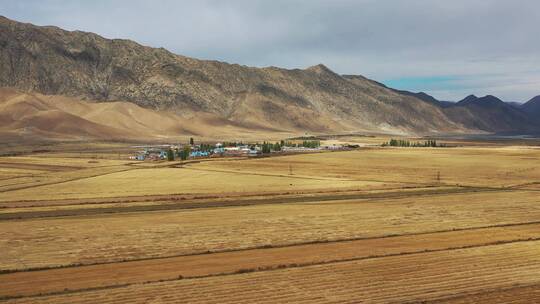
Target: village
193, 150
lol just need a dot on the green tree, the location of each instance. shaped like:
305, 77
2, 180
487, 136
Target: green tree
170, 155
266, 148
184, 153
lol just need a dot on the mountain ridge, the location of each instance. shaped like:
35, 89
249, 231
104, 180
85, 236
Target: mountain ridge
532, 107
83, 65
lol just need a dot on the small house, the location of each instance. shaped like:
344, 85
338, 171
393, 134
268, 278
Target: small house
140, 157
199, 154
254, 152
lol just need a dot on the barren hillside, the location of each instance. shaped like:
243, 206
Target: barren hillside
36, 116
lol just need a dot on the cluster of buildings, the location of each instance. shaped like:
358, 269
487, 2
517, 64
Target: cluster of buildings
150, 153
161, 152
240, 150
195, 151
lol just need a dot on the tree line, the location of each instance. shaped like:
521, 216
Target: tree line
268, 147
406, 143
305, 143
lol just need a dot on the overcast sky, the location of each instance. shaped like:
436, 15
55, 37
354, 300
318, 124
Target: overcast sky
446, 48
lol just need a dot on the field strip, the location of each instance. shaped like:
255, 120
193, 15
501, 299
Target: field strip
522, 294
44, 167
227, 196
27, 283
18, 176
394, 279
307, 176
169, 204
314, 242
61, 181
297, 176
512, 295
533, 186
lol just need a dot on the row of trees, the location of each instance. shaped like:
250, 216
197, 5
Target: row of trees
269, 147
405, 143
305, 143
184, 152
232, 144
311, 143
206, 147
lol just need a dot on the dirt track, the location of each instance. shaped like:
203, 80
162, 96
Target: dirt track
125, 273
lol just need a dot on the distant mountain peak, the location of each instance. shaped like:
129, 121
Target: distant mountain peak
320, 69
491, 97
535, 99
425, 95
486, 100
468, 99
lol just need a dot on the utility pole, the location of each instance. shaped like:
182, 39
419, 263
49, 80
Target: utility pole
439, 177
290, 169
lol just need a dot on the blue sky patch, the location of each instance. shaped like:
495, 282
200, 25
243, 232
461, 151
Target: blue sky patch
430, 83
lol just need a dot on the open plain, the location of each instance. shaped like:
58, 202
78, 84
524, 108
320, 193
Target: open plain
376, 225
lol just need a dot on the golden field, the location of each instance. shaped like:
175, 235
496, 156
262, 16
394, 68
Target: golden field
381, 225
468, 166
129, 236
431, 276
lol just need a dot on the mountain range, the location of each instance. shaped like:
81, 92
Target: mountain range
56, 81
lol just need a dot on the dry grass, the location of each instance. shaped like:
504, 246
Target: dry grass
512, 295
369, 168
104, 238
153, 270
465, 166
505, 180
63, 160
10, 186
398, 279
155, 181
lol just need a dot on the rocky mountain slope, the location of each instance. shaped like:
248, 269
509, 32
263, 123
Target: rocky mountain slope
49, 60
491, 112
532, 107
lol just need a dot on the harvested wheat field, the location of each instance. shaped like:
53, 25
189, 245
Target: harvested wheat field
373, 225
467, 166
404, 278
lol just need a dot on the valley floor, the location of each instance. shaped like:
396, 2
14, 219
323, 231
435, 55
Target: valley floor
374, 225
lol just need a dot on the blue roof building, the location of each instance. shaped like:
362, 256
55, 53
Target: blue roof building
199, 154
